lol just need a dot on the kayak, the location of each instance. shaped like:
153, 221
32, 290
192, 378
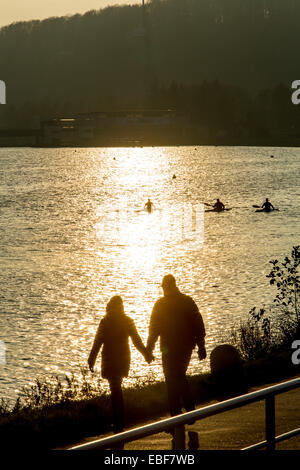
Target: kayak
267, 211
216, 210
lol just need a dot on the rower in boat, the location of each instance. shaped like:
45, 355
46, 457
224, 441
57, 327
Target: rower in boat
267, 206
219, 206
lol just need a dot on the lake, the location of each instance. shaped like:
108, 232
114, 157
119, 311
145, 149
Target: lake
74, 233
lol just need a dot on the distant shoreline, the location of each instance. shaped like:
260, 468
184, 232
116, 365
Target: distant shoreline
36, 138
135, 144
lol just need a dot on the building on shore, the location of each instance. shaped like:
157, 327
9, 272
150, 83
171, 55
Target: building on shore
20, 137
104, 128
115, 127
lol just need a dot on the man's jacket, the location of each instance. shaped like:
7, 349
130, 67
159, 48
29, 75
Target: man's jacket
176, 320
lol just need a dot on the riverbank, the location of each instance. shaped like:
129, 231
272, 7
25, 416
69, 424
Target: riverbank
65, 424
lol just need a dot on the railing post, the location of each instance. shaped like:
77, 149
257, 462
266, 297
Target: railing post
270, 422
193, 443
178, 441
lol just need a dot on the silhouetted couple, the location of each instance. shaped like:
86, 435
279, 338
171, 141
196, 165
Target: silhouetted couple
176, 320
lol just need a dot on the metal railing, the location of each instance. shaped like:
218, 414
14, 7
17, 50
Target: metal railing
177, 423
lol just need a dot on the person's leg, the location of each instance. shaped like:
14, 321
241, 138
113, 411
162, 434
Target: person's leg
171, 379
175, 367
186, 394
178, 390
173, 394
117, 402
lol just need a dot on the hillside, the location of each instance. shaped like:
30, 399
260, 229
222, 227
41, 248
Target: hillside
114, 58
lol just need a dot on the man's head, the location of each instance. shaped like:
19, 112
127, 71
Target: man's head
168, 283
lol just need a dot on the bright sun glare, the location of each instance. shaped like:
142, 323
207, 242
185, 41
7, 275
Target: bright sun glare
138, 234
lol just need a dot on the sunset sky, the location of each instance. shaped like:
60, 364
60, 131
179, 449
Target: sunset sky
20, 10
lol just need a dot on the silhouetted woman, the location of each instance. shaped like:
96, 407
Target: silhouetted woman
113, 334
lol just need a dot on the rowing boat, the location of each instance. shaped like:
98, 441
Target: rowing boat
216, 210
266, 210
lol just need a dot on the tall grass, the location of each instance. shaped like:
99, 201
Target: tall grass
266, 331
57, 412
55, 390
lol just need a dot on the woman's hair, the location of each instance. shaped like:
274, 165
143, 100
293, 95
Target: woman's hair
115, 305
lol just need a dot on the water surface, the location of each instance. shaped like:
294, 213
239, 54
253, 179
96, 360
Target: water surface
73, 233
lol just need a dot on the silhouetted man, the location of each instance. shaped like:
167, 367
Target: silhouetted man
176, 319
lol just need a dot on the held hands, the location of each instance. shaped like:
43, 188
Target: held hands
149, 357
202, 353
91, 365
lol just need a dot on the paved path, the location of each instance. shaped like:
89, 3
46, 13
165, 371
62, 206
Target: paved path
234, 429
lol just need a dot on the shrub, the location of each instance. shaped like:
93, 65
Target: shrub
265, 332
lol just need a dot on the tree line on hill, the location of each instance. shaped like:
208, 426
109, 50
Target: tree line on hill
227, 63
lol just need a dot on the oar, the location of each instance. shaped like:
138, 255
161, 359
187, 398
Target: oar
259, 207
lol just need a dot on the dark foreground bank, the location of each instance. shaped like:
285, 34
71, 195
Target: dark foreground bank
69, 422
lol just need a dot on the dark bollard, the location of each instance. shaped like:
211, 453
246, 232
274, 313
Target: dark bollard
227, 371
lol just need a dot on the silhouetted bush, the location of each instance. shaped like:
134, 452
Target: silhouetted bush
268, 331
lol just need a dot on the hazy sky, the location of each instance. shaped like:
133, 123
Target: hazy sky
22, 10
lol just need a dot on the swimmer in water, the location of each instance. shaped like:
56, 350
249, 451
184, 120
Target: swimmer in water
148, 206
